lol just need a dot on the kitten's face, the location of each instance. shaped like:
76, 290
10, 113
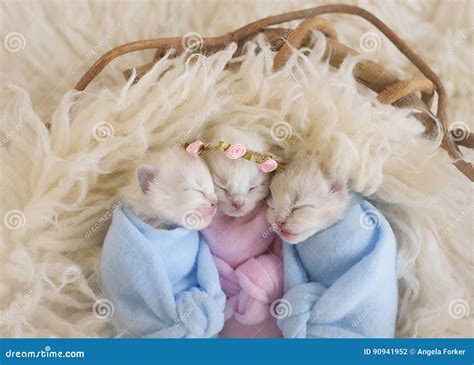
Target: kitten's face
303, 202
179, 192
239, 184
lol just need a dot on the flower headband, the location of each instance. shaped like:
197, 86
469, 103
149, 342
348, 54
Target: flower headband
266, 162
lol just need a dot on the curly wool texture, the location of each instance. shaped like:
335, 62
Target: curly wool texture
66, 183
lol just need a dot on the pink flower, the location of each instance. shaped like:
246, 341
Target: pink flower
235, 151
268, 165
193, 148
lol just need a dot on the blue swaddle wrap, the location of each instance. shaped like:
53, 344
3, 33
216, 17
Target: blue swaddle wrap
162, 283
342, 282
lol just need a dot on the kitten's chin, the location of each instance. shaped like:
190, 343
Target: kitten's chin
294, 238
232, 212
205, 223
208, 216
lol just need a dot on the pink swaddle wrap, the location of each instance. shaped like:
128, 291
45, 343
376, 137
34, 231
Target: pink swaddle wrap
248, 257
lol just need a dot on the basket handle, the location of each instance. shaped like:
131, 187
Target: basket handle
401, 88
255, 27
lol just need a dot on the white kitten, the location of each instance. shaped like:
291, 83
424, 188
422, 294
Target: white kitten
176, 190
303, 201
239, 184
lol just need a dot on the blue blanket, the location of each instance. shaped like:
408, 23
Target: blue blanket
162, 283
341, 282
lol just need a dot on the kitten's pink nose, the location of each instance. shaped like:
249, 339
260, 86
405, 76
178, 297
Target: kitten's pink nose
237, 205
213, 200
238, 201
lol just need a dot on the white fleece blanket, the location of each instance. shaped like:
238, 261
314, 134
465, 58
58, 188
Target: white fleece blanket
60, 187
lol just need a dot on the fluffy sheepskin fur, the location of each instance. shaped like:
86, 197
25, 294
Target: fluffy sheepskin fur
59, 187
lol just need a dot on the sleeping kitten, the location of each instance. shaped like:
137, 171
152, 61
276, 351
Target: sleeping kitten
303, 201
239, 184
176, 190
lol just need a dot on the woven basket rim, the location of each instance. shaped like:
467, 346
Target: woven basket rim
400, 93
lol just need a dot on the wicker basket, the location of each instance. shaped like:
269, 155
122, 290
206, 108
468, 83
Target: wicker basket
390, 89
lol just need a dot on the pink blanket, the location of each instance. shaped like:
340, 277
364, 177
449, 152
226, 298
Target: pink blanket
248, 257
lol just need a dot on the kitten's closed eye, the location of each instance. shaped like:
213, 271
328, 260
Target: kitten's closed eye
196, 190
220, 187
218, 182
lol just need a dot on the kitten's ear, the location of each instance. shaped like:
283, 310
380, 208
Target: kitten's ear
145, 175
339, 186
